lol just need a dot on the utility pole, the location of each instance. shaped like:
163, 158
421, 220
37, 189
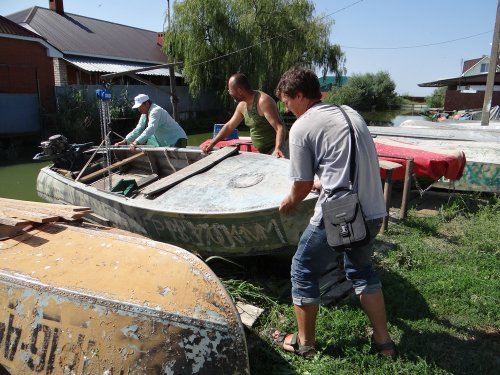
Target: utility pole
174, 99
168, 16
490, 80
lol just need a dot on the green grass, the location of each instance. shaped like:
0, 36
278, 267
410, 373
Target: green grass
441, 285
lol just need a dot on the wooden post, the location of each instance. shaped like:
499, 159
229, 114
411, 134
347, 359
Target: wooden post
406, 188
490, 80
173, 90
387, 198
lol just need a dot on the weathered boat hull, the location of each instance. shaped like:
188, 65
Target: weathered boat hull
420, 129
229, 210
83, 300
481, 171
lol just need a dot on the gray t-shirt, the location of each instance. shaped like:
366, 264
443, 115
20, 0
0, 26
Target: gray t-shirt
320, 145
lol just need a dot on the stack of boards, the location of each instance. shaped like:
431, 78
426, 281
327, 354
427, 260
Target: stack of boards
16, 215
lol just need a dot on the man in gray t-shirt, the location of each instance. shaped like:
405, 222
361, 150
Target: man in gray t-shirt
320, 146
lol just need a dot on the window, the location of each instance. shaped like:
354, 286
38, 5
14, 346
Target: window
484, 67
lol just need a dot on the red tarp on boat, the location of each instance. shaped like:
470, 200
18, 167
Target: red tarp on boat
245, 144
428, 161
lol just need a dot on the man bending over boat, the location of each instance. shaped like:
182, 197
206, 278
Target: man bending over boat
260, 113
155, 127
320, 145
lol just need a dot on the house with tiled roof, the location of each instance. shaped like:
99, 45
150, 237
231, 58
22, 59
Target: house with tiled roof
92, 47
467, 90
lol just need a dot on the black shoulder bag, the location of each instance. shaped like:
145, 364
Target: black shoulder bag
345, 224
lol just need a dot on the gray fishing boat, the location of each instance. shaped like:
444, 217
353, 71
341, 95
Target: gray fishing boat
225, 203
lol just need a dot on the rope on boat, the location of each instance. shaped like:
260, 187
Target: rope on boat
169, 162
419, 188
89, 161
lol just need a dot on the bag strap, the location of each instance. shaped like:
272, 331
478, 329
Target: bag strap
352, 161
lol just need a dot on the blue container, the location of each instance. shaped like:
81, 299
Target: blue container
218, 127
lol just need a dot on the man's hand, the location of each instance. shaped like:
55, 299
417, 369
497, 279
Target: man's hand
278, 153
207, 147
120, 143
286, 206
299, 190
316, 186
133, 145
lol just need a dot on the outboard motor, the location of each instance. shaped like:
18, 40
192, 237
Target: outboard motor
64, 155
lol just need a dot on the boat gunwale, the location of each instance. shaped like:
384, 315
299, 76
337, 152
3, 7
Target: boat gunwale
120, 199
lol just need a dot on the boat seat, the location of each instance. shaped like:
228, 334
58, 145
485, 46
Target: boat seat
100, 172
147, 180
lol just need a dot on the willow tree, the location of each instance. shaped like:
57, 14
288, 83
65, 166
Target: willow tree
261, 38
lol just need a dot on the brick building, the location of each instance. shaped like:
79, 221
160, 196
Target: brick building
26, 79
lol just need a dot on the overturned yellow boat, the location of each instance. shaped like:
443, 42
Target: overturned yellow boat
84, 299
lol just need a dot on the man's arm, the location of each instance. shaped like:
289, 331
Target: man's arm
227, 128
299, 190
132, 136
270, 112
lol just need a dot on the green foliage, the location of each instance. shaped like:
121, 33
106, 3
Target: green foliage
270, 35
436, 100
78, 114
366, 91
120, 106
247, 292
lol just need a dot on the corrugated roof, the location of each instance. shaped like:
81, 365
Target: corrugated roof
77, 35
12, 28
113, 66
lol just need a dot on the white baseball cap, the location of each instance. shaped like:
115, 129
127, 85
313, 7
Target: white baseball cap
139, 99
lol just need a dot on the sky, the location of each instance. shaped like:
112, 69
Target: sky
414, 41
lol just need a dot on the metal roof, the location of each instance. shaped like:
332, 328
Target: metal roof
478, 79
12, 28
113, 66
78, 35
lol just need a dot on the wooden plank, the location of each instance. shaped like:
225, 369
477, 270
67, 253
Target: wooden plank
28, 215
98, 173
388, 165
198, 167
7, 231
75, 216
248, 313
15, 203
48, 209
147, 180
12, 222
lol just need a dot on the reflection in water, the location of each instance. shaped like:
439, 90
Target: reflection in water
390, 118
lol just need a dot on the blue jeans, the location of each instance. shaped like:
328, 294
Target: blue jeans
314, 254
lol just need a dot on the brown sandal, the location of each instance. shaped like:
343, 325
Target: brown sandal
306, 351
379, 348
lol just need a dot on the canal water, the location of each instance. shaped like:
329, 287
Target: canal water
18, 178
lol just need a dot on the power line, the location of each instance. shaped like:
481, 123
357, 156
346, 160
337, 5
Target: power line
422, 45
